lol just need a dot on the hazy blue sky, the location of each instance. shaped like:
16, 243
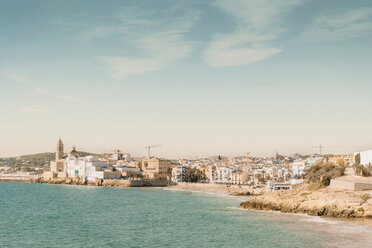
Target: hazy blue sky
199, 77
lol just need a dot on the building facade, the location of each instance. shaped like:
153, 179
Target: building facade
239, 177
154, 168
90, 168
57, 166
179, 174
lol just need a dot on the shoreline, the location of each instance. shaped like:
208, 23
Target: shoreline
97, 182
341, 231
234, 190
321, 221
339, 204
210, 190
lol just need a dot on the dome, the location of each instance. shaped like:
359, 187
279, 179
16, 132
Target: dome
74, 152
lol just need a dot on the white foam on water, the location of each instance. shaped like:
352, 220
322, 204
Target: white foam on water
319, 220
341, 233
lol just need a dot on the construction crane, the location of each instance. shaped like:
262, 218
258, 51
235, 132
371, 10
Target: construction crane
320, 149
149, 149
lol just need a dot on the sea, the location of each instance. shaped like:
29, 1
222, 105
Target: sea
42, 215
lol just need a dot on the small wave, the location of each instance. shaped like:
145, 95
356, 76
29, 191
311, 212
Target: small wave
173, 189
319, 220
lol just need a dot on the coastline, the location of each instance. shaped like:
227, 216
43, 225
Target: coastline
246, 202
210, 187
234, 190
101, 182
338, 233
235, 193
326, 202
348, 227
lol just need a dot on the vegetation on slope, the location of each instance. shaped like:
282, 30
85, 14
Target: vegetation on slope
38, 159
361, 170
320, 175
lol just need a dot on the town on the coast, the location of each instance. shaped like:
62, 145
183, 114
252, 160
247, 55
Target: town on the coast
121, 169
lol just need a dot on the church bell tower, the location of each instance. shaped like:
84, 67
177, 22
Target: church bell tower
59, 153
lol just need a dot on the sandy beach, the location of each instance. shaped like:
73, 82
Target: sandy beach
228, 189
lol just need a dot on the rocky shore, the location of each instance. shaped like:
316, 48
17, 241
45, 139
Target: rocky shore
70, 181
321, 202
17, 180
101, 182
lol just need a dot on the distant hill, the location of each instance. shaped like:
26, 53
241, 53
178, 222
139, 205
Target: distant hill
45, 156
38, 159
83, 154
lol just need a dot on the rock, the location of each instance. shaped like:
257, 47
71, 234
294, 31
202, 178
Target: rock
242, 193
368, 214
37, 180
98, 182
322, 202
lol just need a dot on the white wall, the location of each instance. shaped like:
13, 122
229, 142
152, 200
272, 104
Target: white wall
366, 157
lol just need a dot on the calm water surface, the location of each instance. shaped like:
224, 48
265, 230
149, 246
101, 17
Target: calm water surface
41, 215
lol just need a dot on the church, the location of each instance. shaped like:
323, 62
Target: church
73, 165
58, 166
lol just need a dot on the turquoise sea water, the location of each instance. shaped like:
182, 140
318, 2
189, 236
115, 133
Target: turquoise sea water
41, 215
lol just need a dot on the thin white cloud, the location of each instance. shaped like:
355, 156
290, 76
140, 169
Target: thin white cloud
17, 76
100, 32
228, 51
120, 67
161, 49
339, 26
67, 97
34, 109
228, 56
151, 43
257, 23
40, 91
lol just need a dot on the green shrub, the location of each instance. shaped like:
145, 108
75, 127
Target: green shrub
194, 175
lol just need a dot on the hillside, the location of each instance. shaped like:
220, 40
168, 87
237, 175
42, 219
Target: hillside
38, 159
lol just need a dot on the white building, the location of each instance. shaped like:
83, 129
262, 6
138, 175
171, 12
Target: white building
274, 186
365, 157
299, 167
89, 168
314, 160
118, 155
221, 174
179, 174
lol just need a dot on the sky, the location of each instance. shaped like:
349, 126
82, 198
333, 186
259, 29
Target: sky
197, 77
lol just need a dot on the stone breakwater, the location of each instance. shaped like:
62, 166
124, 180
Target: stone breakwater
323, 202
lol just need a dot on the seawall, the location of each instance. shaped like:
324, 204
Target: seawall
97, 182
